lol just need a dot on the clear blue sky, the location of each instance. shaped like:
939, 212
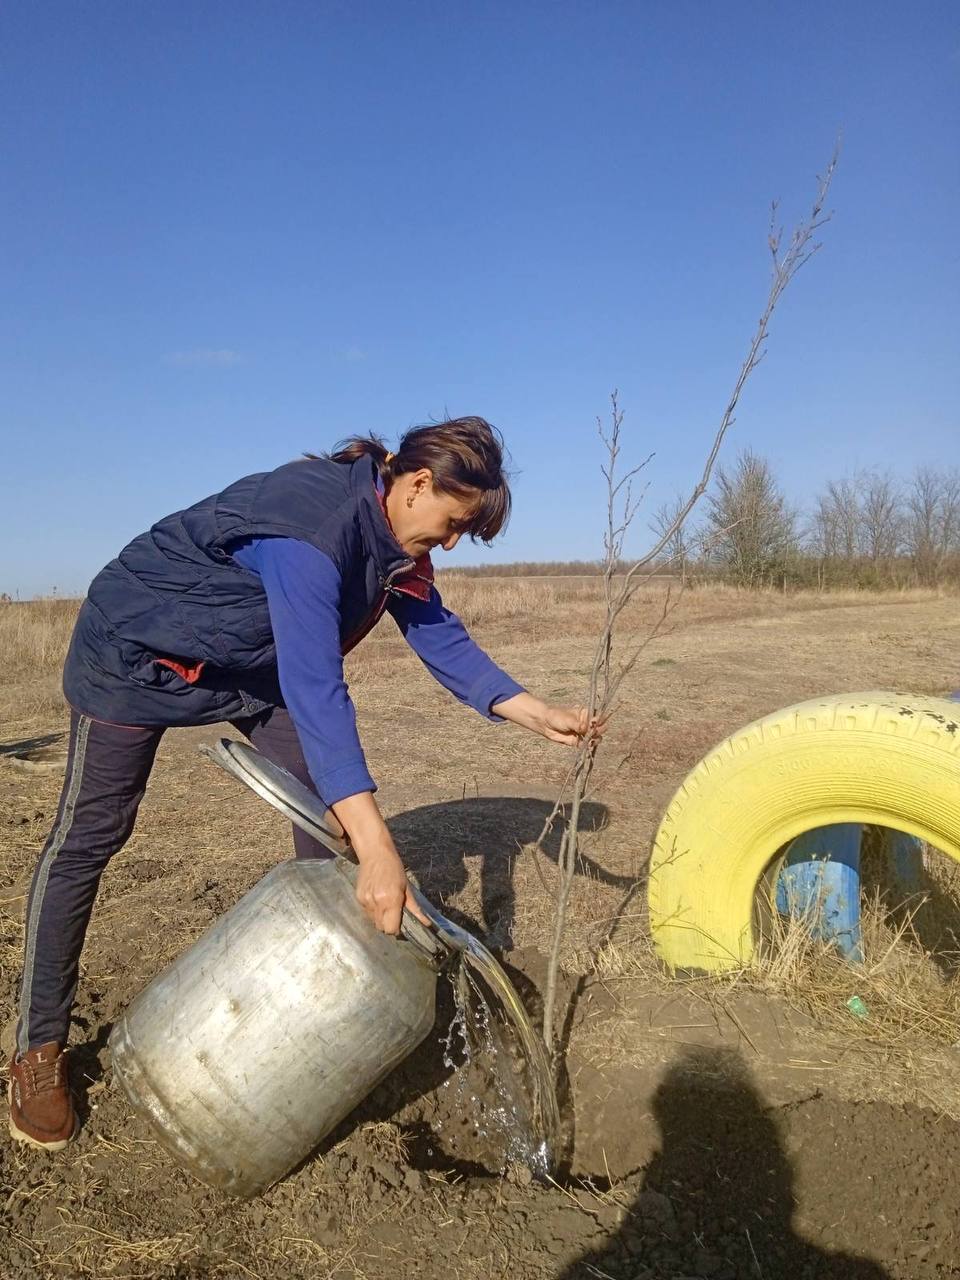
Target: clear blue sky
230, 232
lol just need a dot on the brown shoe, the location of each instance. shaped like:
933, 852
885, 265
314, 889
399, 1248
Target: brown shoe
41, 1109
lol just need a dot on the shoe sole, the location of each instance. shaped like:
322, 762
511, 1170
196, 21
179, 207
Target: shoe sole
28, 1139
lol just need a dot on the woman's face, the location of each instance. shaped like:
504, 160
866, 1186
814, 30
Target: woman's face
422, 517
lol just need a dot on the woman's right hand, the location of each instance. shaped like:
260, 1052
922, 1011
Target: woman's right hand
383, 889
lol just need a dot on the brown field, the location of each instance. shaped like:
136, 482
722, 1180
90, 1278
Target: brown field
744, 1127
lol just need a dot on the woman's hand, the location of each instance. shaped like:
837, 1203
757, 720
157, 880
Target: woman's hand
383, 889
569, 725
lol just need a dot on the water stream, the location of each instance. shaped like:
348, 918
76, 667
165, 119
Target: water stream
493, 1082
515, 1067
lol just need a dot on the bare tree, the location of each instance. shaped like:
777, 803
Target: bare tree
922, 535
932, 524
753, 529
881, 519
853, 520
836, 521
679, 539
950, 514
606, 674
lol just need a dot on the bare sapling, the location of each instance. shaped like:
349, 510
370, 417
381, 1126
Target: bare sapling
608, 671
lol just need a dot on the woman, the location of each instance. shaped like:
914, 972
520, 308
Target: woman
240, 609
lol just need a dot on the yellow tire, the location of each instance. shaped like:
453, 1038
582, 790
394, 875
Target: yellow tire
885, 758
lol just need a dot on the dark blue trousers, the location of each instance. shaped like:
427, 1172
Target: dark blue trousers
107, 770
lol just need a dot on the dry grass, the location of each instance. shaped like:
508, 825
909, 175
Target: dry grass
511, 611
386, 1141
908, 1004
528, 622
34, 635
33, 640
576, 603
908, 981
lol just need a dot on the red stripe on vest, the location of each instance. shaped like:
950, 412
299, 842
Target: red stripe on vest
190, 674
418, 581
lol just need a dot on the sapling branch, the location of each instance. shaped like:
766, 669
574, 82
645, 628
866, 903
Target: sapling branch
620, 587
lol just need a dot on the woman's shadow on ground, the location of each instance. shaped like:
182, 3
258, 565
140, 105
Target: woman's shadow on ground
718, 1198
436, 841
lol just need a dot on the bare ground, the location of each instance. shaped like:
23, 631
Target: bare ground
714, 1128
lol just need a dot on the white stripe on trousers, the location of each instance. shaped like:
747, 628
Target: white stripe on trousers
57, 839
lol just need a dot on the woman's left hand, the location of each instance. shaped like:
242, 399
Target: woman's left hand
569, 725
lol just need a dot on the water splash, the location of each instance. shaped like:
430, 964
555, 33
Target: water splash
496, 1082
517, 1070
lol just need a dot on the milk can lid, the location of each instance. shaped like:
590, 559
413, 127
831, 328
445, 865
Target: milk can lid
281, 789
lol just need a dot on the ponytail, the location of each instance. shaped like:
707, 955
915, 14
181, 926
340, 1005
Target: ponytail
356, 447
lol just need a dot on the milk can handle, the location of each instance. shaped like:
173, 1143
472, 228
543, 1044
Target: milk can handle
424, 938
306, 810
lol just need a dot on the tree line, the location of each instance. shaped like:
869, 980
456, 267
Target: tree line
871, 529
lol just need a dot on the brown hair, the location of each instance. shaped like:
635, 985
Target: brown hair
465, 456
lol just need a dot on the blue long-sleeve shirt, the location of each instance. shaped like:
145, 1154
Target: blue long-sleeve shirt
303, 594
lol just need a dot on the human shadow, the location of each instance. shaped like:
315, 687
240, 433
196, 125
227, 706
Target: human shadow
435, 841
718, 1198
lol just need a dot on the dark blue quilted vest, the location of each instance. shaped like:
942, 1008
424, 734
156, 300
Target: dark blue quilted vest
174, 632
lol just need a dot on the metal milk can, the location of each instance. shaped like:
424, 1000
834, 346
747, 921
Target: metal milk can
252, 1045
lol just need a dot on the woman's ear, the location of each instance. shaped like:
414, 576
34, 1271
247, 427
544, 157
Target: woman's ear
421, 481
